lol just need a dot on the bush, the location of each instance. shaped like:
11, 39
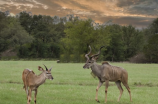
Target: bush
139, 58
9, 58
64, 58
82, 58
72, 58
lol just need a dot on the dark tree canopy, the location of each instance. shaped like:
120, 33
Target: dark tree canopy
68, 38
151, 47
12, 34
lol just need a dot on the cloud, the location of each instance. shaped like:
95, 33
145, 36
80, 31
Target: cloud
109, 7
27, 4
124, 12
140, 7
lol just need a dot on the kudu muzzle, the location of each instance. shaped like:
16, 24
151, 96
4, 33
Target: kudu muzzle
85, 66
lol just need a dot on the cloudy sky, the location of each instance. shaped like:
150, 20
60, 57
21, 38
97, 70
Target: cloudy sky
139, 13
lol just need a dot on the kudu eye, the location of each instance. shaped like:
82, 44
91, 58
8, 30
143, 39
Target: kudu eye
47, 73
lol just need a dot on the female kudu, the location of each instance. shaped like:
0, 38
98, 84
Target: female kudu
34, 81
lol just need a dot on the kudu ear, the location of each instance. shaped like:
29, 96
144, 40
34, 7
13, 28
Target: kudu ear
40, 68
94, 58
50, 69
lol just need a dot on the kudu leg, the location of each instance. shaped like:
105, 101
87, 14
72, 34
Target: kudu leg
29, 96
26, 90
35, 96
129, 91
118, 83
106, 89
99, 85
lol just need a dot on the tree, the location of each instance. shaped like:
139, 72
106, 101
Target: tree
132, 41
25, 20
17, 34
151, 48
80, 34
13, 35
153, 27
3, 24
115, 50
46, 35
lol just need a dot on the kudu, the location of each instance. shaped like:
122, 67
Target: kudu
106, 73
34, 81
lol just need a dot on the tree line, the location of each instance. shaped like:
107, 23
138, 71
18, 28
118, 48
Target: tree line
38, 36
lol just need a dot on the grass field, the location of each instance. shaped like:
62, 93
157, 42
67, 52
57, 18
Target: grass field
74, 85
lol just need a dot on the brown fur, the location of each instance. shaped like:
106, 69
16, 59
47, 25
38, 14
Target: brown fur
25, 75
107, 73
105, 62
32, 81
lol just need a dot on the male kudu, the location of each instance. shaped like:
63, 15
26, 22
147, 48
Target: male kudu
34, 81
106, 73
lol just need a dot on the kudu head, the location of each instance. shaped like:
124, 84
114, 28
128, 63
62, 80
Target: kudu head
47, 72
92, 59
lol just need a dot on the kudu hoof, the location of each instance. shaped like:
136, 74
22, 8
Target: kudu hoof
98, 101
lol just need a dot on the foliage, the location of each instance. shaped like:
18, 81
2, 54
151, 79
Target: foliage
41, 36
12, 34
115, 51
25, 21
125, 42
151, 49
80, 34
132, 41
46, 36
3, 43
153, 27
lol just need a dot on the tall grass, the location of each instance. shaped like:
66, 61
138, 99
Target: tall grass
74, 85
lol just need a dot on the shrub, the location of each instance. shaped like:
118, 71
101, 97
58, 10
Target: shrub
64, 58
139, 58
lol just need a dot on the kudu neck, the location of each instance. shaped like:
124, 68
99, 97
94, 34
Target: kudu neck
96, 69
40, 79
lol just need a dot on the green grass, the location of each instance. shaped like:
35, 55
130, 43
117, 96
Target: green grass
74, 85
